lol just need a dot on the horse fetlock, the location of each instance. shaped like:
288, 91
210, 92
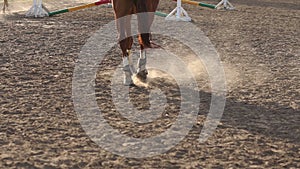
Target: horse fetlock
143, 54
128, 60
127, 69
142, 61
141, 64
127, 79
142, 71
127, 75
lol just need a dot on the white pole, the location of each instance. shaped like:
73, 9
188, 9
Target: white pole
178, 14
37, 10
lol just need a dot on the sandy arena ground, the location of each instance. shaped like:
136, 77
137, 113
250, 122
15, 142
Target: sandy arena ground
258, 44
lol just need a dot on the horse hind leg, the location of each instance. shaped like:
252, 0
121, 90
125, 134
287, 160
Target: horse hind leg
144, 41
141, 66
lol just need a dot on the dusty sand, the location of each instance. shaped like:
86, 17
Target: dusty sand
258, 44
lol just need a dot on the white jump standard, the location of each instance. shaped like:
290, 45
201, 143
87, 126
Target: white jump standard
226, 4
37, 9
179, 14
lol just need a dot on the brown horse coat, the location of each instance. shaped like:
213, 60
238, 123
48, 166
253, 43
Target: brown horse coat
124, 8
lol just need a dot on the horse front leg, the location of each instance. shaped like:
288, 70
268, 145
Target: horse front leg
128, 67
145, 10
126, 41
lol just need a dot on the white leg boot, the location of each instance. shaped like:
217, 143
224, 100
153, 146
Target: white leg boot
142, 71
130, 60
127, 72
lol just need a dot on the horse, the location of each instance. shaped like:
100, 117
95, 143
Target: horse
123, 9
5, 5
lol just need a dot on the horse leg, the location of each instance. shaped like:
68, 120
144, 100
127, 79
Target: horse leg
125, 45
144, 22
141, 65
128, 67
142, 61
122, 9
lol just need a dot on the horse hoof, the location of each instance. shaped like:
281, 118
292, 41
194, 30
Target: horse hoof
142, 75
132, 85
